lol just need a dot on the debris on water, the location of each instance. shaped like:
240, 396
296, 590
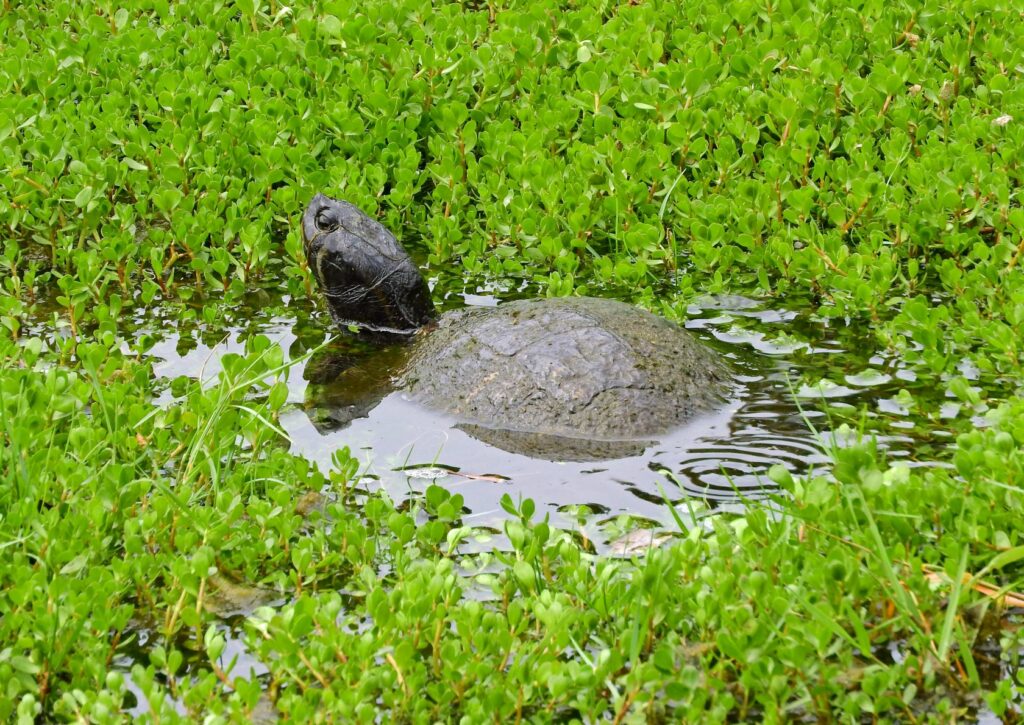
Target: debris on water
309, 502
1004, 597
432, 473
638, 542
489, 477
227, 598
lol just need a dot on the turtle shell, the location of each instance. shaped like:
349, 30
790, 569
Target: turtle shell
575, 367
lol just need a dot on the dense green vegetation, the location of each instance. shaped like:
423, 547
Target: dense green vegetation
863, 159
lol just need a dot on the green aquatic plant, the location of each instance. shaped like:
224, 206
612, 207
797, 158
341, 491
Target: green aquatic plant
860, 160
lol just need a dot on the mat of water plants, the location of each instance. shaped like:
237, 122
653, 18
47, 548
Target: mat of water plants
828, 194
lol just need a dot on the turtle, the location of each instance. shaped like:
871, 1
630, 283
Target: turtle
562, 378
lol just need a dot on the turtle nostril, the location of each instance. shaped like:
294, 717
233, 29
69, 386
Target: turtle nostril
325, 222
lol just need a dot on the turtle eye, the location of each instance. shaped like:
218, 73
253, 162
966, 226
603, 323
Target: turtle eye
325, 221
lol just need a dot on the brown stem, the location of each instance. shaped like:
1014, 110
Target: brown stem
785, 132
1016, 255
398, 671
626, 704
848, 224
319, 678
828, 261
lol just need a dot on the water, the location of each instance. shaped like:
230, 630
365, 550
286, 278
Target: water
719, 459
798, 377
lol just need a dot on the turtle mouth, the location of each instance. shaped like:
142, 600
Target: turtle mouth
308, 242
381, 332
314, 253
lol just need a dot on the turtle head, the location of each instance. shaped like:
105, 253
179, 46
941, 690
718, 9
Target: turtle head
367, 278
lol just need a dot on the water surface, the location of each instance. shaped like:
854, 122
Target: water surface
719, 459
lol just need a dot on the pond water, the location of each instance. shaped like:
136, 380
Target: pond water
718, 459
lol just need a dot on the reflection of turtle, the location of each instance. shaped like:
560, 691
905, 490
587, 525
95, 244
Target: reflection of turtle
567, 378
